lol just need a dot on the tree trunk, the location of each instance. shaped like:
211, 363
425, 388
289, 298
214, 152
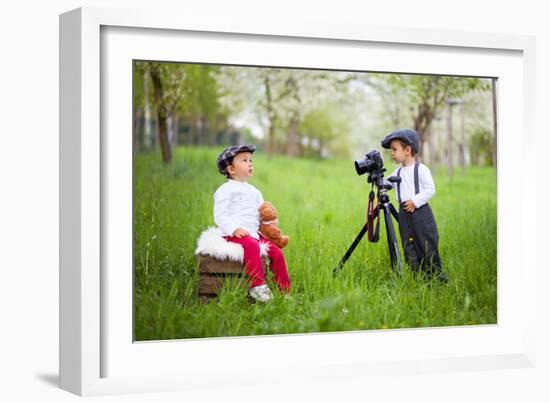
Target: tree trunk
418, 128
205, 131
192, 132
163, 140
450, 140
435, 144
138, 132
175, 131
494, 88
148, 124
155, 136
292, 136
271, 117
196, 131
161, 117
422, 122
462, 149
170, 128
429, 145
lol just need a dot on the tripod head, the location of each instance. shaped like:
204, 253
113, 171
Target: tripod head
376, 177
392, 180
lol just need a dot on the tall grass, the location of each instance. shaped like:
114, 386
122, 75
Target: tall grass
322, 207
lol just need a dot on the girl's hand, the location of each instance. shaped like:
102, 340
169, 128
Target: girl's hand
239, 233
409, 206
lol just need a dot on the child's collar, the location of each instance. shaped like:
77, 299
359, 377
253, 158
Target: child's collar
410, 165
236, 181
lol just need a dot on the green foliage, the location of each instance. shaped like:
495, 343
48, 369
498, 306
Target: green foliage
433, 89
482, 145
326, 127
138, 85
322, 207
280, 99
172, 79
202, 92
425, 96
296, 111
189, 91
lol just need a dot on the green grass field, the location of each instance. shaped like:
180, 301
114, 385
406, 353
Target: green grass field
322, 207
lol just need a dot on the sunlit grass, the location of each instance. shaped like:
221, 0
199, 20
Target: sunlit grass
322, 207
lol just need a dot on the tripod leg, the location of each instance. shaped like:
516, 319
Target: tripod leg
394, 212
351, 248
392, 240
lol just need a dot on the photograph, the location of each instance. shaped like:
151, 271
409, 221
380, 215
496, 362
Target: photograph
272, 200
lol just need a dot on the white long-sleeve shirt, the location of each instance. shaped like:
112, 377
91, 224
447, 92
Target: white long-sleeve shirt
425, 181
236, 206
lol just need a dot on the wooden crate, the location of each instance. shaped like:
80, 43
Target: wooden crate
213, 273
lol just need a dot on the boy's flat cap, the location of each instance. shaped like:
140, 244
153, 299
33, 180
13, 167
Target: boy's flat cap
227, 155
409, 136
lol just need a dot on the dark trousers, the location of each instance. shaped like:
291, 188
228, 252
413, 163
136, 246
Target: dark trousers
420, 239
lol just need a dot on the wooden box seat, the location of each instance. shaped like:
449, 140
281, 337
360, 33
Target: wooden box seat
218, 260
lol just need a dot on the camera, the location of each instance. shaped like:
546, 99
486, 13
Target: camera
372, 162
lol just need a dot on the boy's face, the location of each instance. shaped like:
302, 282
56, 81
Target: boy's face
241, 168
399, 153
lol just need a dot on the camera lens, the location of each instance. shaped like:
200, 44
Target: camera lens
372, 162
361, 166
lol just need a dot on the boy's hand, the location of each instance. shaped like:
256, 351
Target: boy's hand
239, 233
409, 206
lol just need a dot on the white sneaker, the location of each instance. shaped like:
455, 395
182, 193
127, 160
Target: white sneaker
261, 293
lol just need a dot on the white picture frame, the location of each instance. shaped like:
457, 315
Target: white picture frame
97, 355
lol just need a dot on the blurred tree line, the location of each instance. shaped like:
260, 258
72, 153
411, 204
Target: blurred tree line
455, 117
176, 104
192, 104
311, 113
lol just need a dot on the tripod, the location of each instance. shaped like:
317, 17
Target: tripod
383, 186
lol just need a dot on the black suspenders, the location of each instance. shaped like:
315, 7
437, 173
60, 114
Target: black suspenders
416, 182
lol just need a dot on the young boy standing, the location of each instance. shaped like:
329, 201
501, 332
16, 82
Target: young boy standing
417, 226
236, 204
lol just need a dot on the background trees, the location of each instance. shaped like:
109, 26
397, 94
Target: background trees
311, 113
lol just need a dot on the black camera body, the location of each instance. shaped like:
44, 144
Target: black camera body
372, 162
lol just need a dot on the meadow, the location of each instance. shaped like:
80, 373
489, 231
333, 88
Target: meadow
322, 208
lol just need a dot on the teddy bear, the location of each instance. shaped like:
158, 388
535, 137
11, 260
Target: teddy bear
269, 225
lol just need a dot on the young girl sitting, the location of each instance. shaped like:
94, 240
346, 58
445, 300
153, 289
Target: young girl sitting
236, 204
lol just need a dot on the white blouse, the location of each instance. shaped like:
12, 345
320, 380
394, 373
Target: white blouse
236, 206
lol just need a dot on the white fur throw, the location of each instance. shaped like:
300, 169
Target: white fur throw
212, 243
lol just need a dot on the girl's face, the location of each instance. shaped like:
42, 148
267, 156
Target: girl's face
241, 168
399, 153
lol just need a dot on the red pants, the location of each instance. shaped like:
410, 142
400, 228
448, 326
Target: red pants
253, 261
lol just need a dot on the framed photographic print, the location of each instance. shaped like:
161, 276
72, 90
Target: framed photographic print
149, 103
